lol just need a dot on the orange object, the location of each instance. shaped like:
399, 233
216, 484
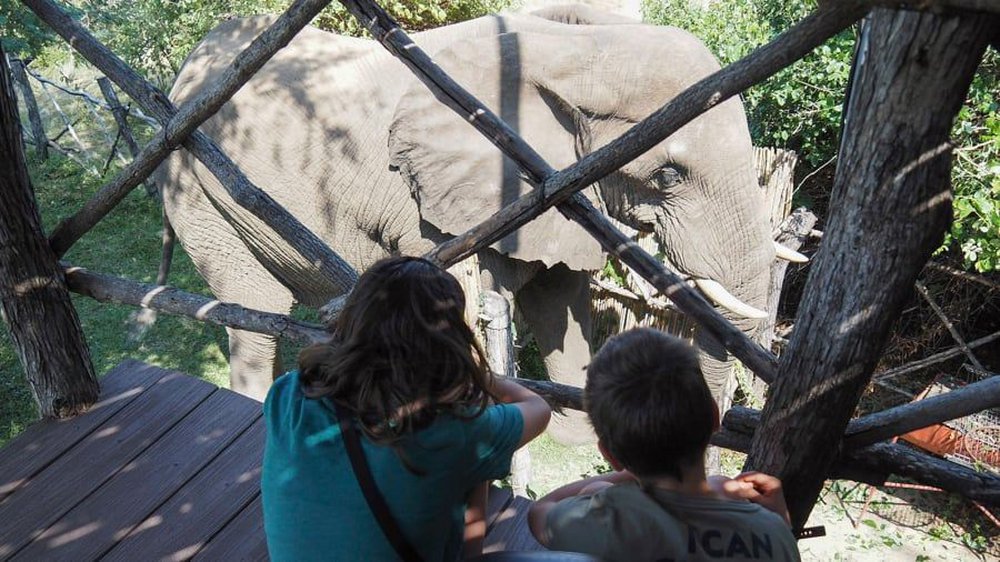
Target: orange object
938, 439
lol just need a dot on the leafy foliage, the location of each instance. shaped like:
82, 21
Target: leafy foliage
154, 36
976, 175
800, 108
21, 32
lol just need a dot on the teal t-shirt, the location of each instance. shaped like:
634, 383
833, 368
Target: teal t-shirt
313, 505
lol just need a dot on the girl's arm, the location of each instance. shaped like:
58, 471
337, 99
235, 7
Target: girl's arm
475, 521
534, 409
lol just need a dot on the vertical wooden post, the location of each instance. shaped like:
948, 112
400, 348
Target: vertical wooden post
467, 273
500, 354
890, 206
124, 130
28, 97
776, 172
35, 302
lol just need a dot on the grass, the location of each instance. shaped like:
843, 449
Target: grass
127, 244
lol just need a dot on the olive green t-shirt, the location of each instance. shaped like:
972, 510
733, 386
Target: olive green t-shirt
624, 522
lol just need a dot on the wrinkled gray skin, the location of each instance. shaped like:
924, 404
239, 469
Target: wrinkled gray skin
346, 139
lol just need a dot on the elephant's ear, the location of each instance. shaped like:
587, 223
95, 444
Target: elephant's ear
459, 178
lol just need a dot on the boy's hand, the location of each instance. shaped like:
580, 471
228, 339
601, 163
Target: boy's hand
757, 487
763, 490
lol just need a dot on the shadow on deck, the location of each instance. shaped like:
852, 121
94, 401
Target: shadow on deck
164, 467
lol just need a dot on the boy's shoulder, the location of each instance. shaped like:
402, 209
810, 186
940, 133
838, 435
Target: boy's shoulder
647, 523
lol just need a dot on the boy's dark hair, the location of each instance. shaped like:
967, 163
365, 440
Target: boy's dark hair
648, 402
401, 351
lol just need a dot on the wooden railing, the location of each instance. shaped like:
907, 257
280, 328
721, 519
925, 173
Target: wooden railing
818, 382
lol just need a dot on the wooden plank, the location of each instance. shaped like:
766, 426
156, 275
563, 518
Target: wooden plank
43, 441
241, 539
82, 469
497, 501
181, 526
510, 532
97, 523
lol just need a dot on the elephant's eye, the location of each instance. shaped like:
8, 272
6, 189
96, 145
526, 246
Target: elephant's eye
667, 176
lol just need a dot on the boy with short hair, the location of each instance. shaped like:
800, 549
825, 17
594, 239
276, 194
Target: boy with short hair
654, 415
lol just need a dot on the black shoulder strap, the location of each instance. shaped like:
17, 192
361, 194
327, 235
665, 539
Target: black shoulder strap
375, 500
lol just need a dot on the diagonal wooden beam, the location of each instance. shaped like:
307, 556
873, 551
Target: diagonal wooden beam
313, 252
893, 422
756, 67
560, 188
958, 403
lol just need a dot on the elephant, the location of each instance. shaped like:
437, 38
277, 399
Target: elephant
364, 155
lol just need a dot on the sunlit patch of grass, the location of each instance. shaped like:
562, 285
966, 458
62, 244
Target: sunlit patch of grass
553, 465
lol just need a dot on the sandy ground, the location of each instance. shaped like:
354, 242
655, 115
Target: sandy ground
888, 538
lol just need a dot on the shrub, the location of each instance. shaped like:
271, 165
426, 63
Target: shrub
154, 36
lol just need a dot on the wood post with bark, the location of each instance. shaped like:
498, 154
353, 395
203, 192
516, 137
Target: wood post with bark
890, 206
105, 288
36, 305
121, 119
500, 355
31, 106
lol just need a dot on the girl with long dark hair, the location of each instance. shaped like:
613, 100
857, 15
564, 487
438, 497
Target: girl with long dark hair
404, 369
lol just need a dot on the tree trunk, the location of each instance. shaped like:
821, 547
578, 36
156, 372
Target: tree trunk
891, 204
36, 305
31, 106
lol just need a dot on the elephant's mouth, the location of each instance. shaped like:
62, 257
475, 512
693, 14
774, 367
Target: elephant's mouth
713, 291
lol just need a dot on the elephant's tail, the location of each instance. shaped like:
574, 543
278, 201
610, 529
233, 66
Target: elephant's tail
167, 253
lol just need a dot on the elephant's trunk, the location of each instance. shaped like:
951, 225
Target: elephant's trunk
717, 368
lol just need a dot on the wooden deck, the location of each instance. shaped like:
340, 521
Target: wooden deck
164, 467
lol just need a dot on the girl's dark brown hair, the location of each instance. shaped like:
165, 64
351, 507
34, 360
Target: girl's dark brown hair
401, 352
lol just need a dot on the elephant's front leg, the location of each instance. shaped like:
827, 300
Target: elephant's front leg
556, 306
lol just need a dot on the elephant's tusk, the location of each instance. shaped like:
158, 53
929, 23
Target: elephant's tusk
720, 296
788, 254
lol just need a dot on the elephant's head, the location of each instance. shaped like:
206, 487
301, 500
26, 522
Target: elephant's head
568, 93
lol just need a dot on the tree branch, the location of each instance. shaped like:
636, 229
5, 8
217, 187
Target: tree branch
106, 288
